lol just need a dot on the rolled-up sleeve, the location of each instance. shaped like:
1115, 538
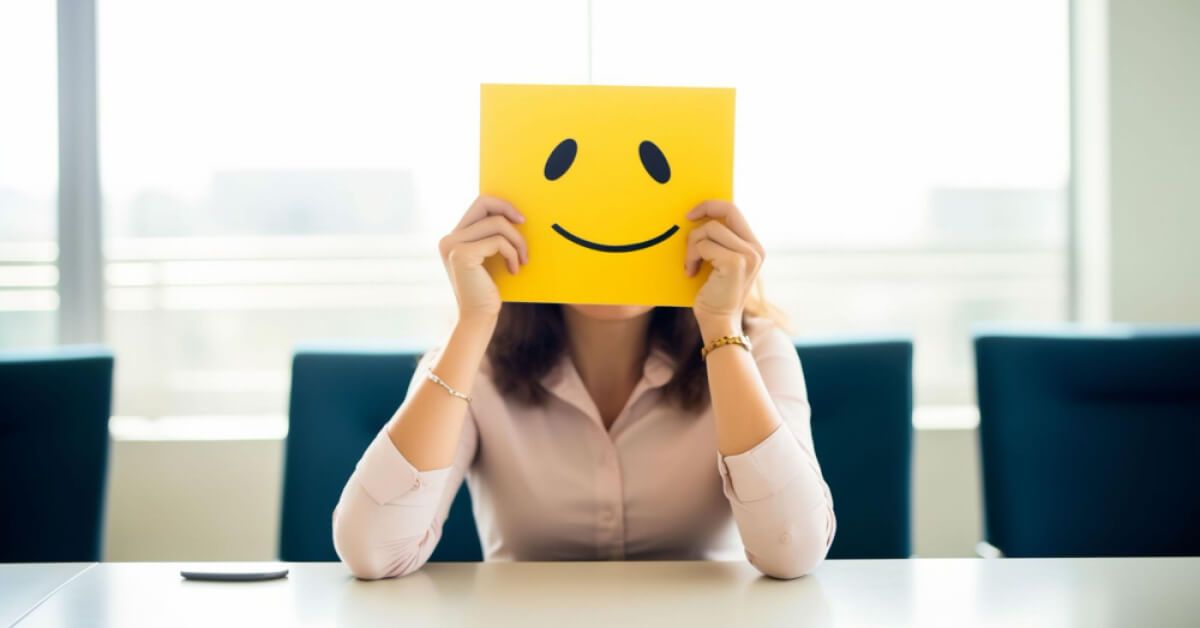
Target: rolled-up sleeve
780, 500
389, 517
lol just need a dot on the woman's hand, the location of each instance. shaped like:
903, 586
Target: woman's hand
486, 229
735, 254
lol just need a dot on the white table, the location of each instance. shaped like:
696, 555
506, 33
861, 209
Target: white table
921, 592
24, 585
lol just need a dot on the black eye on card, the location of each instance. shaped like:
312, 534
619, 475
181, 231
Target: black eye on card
654, 161
560, 159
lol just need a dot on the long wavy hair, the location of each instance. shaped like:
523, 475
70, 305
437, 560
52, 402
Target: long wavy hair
530, 339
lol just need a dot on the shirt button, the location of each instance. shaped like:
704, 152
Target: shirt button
785, 538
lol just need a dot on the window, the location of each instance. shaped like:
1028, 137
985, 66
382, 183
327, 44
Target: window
28, 173
906, 163
276, 172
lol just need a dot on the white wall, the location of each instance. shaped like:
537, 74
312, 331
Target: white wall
1138, 158
947, 498
193, 499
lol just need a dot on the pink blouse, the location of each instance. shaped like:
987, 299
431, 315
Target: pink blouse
551, 483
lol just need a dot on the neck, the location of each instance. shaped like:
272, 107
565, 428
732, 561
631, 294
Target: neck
609, 354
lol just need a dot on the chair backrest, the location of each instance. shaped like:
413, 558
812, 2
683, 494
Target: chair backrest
340, 398
1090, 442
54, 409
861, 397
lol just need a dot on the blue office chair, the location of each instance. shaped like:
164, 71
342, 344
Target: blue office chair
861, 398
54, 409
1090, 442
340, 399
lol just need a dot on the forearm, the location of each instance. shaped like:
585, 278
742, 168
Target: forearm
773, 482
768, 469
383, 540
385, 522
426, 428
744, 412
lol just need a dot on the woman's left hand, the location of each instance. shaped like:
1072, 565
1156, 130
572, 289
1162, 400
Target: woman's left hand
729, 245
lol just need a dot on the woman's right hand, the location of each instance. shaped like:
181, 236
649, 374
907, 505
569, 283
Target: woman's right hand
486, 229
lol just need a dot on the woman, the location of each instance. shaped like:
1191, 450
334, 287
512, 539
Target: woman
598, 432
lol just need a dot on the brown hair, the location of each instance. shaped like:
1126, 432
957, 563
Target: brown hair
530, 339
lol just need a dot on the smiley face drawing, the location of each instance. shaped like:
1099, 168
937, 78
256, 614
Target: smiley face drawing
604, 176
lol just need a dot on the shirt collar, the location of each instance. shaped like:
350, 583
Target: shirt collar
563, 380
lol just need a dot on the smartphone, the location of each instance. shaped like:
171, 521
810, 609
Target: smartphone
234, 572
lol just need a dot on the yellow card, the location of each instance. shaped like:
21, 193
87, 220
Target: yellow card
604, 176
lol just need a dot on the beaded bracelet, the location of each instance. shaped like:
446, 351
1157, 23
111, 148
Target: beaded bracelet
450, 389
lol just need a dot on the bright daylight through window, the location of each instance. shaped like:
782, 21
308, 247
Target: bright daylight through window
278, 172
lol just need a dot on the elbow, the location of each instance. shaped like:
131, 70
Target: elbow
364, 568
799, 550
363, 560
368, 559
787, 566
374, 562
787, 563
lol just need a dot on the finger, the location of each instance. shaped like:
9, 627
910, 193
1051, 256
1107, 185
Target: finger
723, 260
479, 250
728, 212
494, 225
717, 232
497, 225
485, 206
